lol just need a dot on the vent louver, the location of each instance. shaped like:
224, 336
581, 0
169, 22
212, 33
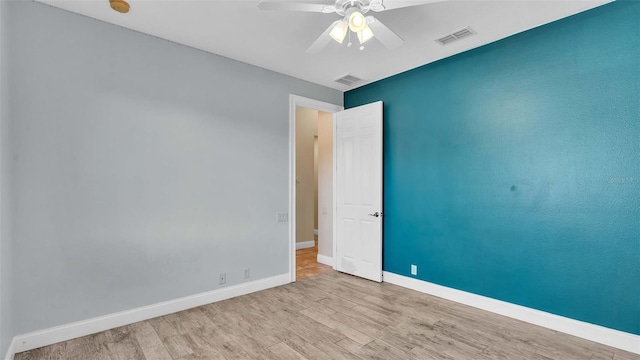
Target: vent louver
454, 36
348, 80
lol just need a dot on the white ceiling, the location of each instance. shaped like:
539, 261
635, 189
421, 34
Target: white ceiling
278, 40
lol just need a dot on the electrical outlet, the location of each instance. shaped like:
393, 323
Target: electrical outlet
247, 273
414, 269
223, 279
282, 217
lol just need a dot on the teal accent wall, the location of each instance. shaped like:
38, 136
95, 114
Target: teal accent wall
513, 171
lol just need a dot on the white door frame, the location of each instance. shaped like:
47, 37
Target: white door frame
295, 102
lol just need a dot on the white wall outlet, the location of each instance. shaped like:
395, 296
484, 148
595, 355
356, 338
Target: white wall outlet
282, 217
223, 279
247, 273
414, 269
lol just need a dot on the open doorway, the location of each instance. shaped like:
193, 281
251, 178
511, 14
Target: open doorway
312, 178
314, 192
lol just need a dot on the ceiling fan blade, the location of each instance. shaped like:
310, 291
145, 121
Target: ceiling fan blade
323, 40
294, 6
397, 4
387, 37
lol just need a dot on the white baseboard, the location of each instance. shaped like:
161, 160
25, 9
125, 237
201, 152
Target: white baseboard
327, 260
10, 351
305, 244
91, 326
600, 334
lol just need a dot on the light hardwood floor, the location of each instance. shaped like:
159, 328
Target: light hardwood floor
331, 316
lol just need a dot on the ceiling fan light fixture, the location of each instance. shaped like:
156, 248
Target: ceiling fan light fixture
365, 35
339, 31
357, 21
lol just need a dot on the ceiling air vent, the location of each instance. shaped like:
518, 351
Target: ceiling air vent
348, 80
454, 36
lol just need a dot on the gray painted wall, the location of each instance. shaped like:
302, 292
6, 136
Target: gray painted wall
143, 168
6, 293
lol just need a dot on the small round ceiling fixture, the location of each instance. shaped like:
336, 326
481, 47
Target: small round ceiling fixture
120, 6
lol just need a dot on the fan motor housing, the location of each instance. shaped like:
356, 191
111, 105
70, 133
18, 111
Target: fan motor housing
346, 7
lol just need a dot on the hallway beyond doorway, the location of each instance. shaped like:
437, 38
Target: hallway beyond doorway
307, 264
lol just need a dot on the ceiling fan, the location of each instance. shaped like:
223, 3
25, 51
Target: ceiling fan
353, 19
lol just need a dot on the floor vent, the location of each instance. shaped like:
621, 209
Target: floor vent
349, 80
454, 36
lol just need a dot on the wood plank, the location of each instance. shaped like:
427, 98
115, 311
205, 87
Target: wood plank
163, 327
379, 350
305, 348
201, 347
158, 352
146, 335
284, 352
125, 343
339, 326
336, 351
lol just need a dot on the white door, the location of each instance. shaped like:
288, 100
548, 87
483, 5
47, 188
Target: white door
359, 191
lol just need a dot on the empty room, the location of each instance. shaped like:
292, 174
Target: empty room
319, 179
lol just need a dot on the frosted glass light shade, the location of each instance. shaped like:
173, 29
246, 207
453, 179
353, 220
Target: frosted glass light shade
339, 31
365, 35
357, 22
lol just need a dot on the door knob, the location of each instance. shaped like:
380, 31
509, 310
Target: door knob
376, 214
